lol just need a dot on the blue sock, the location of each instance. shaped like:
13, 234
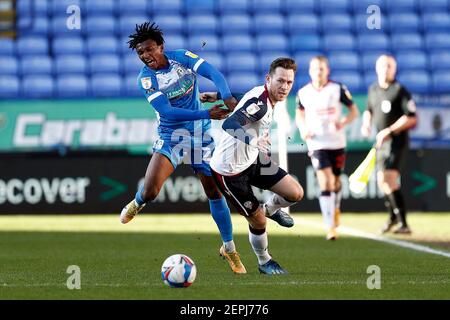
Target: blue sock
221, 215
138, 196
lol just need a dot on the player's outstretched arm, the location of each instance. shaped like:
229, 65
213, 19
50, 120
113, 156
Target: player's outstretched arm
162, 105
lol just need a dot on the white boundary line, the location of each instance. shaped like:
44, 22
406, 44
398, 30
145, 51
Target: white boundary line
371, 236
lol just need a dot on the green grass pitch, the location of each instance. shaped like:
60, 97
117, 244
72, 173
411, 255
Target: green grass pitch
124, 261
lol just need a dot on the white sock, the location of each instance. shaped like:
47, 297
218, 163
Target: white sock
229, 246
327, 206
259, 244
274, 203
338, 196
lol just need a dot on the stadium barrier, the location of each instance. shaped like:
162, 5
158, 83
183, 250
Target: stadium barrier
103, 182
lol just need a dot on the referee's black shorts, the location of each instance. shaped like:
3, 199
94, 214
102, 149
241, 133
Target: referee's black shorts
238, 188
390, 156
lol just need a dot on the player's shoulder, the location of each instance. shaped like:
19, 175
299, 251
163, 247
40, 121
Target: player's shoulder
146, 78
400, 88
337, 85
180, 54
146, 72
305, 88
256, 98
374, 86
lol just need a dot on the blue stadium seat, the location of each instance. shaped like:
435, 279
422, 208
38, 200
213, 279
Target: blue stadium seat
8, 65
433, 6
206, 43
339, 42
440, 82
99, 44
32, 45
175, 42
241, 62
205, 85
301, 79
303, 24
38, 86
269, 6
302, 59
106, 85
369, 58
344, 61
417, 81
132, 64
300, 6
126, 7
100, 7
60, 7
171, 23
70, 64
360, 7
369, 79
243, 82
201, 24
202, 6
9, 86
436, 22
439, 60
59, 27
437, 41
36, 65
310, 42
402, 6
235, 43
352, 79
411, 60
33, 7
364, 25
233, 6
369, 42
337, 23
214, 58
166, 6
131, 88
271, 43
334, 6
68, 45
407, 41
127, 23
72, 86
235, 24
404, 23
29, 26
267, 23
7, 47
104, 25
104, 63
266, 58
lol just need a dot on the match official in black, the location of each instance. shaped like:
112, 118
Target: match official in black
393, 111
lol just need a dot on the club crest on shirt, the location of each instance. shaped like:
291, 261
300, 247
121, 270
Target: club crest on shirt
252, 109
146, 83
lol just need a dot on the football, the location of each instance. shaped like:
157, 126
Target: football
178, 271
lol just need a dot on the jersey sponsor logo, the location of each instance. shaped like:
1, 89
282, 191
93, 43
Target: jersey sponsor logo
252, 109
192, 55
411, 105
146, 83
386, 106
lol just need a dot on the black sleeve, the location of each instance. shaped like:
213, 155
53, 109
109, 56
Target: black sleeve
298, 103
345, 96
369, 104
407, 103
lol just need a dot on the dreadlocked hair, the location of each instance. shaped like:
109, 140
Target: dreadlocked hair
145, 32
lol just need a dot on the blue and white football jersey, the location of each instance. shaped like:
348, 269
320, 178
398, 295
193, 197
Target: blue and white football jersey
178, 82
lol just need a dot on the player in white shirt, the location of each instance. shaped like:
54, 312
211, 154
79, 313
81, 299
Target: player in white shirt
242, 160
321, 122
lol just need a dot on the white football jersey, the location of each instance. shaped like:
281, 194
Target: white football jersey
323, 108
232, 156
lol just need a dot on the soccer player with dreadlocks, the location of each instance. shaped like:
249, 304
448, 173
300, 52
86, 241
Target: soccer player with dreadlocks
169, 82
